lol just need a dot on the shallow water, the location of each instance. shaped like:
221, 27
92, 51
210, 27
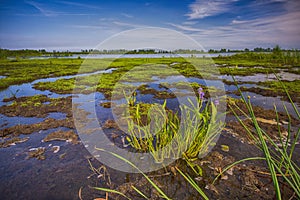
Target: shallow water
166, 55
26, 89
61, 175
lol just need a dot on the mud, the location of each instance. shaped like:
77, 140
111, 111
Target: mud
145, 89
243, 181
25, 129
69, 136
107, 104
12, 141
271, 93
259, 112
38, 153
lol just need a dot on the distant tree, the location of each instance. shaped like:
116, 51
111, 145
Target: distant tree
223, 51
277, 50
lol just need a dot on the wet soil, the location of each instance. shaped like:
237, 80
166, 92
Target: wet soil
238, 106
270, 93
249, 180
106, 104
37, 153
165, 94
26, 129
69, 136
12, 141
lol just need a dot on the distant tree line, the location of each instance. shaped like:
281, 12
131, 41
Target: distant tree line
275, 55
23, 53
6, 53
257, 49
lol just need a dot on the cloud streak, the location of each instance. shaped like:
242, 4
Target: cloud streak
82, 5
51, 13
184, 27
201, 9
126, 15
262, 31
43, 11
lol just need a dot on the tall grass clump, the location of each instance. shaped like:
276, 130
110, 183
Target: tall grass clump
166, 134
278, 156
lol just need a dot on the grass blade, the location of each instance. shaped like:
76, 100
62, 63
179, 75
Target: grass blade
131, 164
111, 191
141, 193
193, 183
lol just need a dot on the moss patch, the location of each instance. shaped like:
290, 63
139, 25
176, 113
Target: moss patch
37, 106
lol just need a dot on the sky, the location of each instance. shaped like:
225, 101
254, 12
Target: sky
83, 24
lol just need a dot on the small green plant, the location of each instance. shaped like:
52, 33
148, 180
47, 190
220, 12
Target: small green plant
13, 95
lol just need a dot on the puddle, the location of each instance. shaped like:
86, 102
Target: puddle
268, 102
12, 121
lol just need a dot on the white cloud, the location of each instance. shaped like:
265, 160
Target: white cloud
189, 23
126, 15
184, 28
283, 30
269, 29
201, 9
128, 25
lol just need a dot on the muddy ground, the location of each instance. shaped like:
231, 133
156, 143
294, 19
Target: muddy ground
250, 180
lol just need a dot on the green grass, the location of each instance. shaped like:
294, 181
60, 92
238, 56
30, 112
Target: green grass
290, 86
274, 60
192, 183
246, 71
279, 157
140, 70
191, 137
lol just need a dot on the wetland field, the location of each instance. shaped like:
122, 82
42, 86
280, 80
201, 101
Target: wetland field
42, 155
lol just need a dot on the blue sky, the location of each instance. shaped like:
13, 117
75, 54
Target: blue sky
81, 24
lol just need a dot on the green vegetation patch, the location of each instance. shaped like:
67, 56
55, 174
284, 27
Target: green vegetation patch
291, 86
276, 59
127, 70
37, 106
246, 71
28, 70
